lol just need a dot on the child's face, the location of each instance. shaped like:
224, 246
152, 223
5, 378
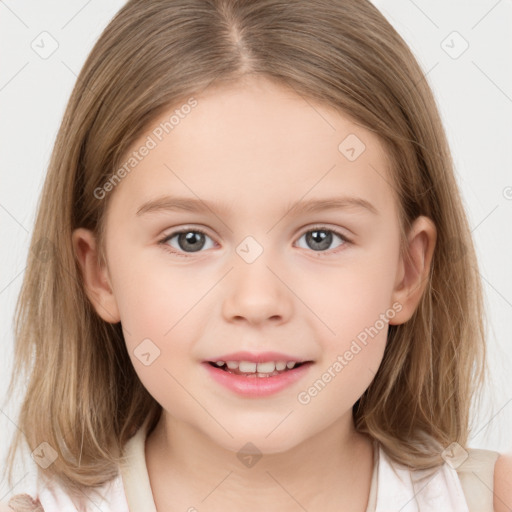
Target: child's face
255, 282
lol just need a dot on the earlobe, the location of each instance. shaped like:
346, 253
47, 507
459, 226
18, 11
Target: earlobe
95, 275
414, 270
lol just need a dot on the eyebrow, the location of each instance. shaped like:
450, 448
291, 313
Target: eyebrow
174, 203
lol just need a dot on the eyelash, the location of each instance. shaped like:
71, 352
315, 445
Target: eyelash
199, 230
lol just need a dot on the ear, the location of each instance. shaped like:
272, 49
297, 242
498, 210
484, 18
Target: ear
413, 271
95, 275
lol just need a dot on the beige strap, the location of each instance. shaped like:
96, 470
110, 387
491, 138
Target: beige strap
134, 474
476, 475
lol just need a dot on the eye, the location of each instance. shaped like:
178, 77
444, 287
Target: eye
320, 238
187, 240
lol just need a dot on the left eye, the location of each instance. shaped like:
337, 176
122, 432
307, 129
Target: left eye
320, 239
193, 240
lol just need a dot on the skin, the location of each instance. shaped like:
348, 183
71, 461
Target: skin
257, 148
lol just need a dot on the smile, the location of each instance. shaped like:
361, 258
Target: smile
248, 379
251, 369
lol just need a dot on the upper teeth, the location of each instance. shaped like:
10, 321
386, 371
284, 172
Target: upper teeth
250, 367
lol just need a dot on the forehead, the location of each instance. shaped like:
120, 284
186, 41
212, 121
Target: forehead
255, 144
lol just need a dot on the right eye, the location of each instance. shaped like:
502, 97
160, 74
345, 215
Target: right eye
187, 241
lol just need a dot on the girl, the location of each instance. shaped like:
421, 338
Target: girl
251, 281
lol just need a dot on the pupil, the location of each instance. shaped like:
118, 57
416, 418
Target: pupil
193, 239
321, 239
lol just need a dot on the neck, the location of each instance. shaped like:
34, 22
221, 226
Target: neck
187, 469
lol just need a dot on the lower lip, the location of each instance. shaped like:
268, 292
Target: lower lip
257, 386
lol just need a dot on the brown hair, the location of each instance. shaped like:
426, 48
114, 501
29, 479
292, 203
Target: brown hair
84, 397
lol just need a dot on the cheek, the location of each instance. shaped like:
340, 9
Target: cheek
352, 307
351, 296
159, 307
157, 311
153, 297
357, 311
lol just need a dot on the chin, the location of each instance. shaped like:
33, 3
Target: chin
259, 442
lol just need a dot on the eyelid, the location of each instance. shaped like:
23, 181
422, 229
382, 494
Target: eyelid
326, 227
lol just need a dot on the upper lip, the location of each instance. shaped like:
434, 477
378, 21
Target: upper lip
257, 357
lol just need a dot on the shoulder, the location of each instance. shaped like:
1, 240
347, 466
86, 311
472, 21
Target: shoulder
503, 483
21, 503
55, 496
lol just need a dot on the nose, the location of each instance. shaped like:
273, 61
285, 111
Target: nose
257, 293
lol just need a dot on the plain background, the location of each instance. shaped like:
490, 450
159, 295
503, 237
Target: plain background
473, 88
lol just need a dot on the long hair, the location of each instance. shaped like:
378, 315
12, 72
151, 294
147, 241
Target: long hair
82, 395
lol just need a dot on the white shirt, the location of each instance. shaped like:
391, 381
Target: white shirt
394, 488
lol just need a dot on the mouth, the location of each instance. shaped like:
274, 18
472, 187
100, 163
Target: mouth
264, 375
262, 369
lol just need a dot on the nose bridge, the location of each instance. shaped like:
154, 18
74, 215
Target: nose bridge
256, 292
